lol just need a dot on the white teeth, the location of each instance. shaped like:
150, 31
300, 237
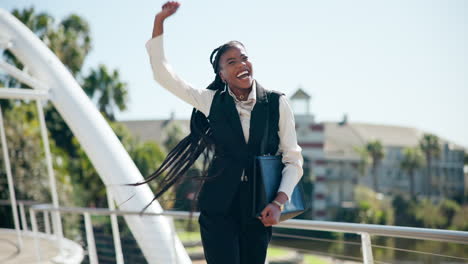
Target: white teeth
242, 73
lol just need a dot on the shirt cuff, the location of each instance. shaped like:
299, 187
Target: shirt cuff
155, 46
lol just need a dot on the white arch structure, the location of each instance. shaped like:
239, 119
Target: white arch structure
51, 80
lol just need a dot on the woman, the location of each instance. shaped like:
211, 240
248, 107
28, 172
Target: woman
229, 119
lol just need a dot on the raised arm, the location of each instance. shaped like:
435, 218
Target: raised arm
162, 70
168, 9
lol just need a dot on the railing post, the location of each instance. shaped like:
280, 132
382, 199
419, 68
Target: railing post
93, 259
46, 222
24, 221
35, 234
56, 221
366, 249
11, 188
115, 229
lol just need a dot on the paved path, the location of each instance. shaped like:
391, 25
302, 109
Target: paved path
10, 253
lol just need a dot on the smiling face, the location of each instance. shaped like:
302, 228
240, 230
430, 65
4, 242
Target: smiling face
235, 68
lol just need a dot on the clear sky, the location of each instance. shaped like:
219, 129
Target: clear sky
393, 62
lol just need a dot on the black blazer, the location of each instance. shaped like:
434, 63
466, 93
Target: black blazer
232, 154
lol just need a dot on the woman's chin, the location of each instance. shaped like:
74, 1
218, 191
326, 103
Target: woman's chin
245, 84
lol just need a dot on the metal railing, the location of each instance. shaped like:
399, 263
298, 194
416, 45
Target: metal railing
380, 230
365, 231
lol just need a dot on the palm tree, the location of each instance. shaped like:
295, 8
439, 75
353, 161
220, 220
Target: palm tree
376, 154
70, 40
107, 90
430, 146
40, 24
364, 161
412, 160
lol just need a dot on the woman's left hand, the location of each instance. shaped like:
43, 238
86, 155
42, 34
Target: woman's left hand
270, 215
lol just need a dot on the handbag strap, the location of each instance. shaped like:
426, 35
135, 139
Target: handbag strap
266, 132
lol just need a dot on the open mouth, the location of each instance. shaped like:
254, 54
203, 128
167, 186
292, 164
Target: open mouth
243, 75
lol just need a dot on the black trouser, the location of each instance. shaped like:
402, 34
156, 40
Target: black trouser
235, 237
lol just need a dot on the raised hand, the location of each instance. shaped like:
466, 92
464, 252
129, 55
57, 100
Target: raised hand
168, 9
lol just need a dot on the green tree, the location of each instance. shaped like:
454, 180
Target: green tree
430, 146
412, 160
107, 90
372, 207
174, 136
376, 154
90, 190
449, 208
430, 214
364, 161
70, 41
24, 146
426, 213
27, 161
147, 156
185, 190
40, 24
405, 214
459, 219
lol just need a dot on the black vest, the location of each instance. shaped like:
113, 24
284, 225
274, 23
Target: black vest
232, 154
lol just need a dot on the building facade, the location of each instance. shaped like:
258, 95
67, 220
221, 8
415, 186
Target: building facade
332, 149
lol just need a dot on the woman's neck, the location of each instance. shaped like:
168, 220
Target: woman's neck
241, 94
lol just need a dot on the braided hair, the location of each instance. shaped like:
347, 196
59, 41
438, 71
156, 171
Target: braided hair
199, 141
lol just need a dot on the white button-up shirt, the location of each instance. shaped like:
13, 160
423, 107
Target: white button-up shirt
244, 108
201, 99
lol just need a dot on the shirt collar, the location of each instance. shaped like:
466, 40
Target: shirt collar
252, 95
